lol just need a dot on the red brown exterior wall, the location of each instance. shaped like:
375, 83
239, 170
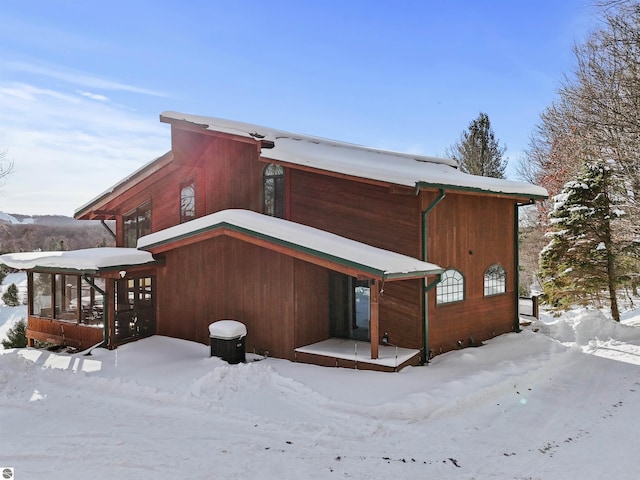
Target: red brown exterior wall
281, 300
470, 233
370, 214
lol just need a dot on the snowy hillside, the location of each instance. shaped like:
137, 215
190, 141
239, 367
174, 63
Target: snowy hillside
559, 403
5, 217
47, 220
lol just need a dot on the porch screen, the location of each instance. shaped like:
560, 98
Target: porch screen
41, 300
66, 296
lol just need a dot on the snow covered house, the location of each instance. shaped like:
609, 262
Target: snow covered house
328, 252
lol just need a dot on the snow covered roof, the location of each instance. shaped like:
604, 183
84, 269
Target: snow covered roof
311, 241
359, 161
89, 260
128, 181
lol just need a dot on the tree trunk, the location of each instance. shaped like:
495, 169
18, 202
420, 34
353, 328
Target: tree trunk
611, 280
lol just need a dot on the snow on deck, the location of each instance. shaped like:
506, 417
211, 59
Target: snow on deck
89, 259
311, 240
359, 161
358, 351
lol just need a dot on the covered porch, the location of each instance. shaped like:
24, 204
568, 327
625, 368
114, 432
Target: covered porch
347, 265
87, 297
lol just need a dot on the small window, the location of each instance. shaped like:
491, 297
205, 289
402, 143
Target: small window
187, 202
273, 184
137, 224
451, 287
495, 280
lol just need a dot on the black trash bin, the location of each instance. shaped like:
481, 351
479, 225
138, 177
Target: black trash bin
227, 340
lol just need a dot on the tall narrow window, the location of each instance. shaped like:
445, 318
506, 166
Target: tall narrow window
66, 296
273, 184
137, 224
451, 287
41, 298
495, 280
187, 202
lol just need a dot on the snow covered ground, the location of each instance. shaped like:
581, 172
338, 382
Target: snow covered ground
561, 402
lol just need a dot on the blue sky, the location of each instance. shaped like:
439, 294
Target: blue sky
82, 84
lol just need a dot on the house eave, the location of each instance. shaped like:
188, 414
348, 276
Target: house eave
291, 248
92, 209
519, 195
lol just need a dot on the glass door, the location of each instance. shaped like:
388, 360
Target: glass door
349, 307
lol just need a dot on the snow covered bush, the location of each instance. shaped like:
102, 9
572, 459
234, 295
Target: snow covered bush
10, 297
16, 336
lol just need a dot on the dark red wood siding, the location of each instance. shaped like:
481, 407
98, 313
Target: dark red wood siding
371, 214
367, 213
281, 300
470, 233
63, 333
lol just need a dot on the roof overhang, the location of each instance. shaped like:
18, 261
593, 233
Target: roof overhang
94, 209
86, 261
535, 194
292, 239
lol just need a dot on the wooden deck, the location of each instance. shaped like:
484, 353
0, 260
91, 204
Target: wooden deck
342, 352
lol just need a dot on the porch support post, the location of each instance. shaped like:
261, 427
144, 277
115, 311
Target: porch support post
374, 318
111, 311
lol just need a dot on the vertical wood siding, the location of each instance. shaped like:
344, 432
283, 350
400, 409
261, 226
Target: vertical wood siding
373, 215
278, 298
470, 233
359, 211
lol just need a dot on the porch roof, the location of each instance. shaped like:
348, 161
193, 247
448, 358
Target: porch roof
89, 260
294, 239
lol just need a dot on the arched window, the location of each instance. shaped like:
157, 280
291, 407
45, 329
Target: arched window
273, 184
495, 280
451, 287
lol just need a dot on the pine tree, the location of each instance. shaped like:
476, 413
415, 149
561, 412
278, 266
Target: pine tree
478, 152
589, 252
16, 336
10, 297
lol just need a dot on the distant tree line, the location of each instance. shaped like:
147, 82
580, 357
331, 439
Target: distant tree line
33, 237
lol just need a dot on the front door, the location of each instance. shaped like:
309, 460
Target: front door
135, 313
348, 307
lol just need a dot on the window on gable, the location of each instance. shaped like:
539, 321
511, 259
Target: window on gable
451, 287
187, 202
495, 280
137, 224
273, 187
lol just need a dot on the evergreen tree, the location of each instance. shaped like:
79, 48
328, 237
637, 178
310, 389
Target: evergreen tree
590, 251
10, 297
16, 336
478, 152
